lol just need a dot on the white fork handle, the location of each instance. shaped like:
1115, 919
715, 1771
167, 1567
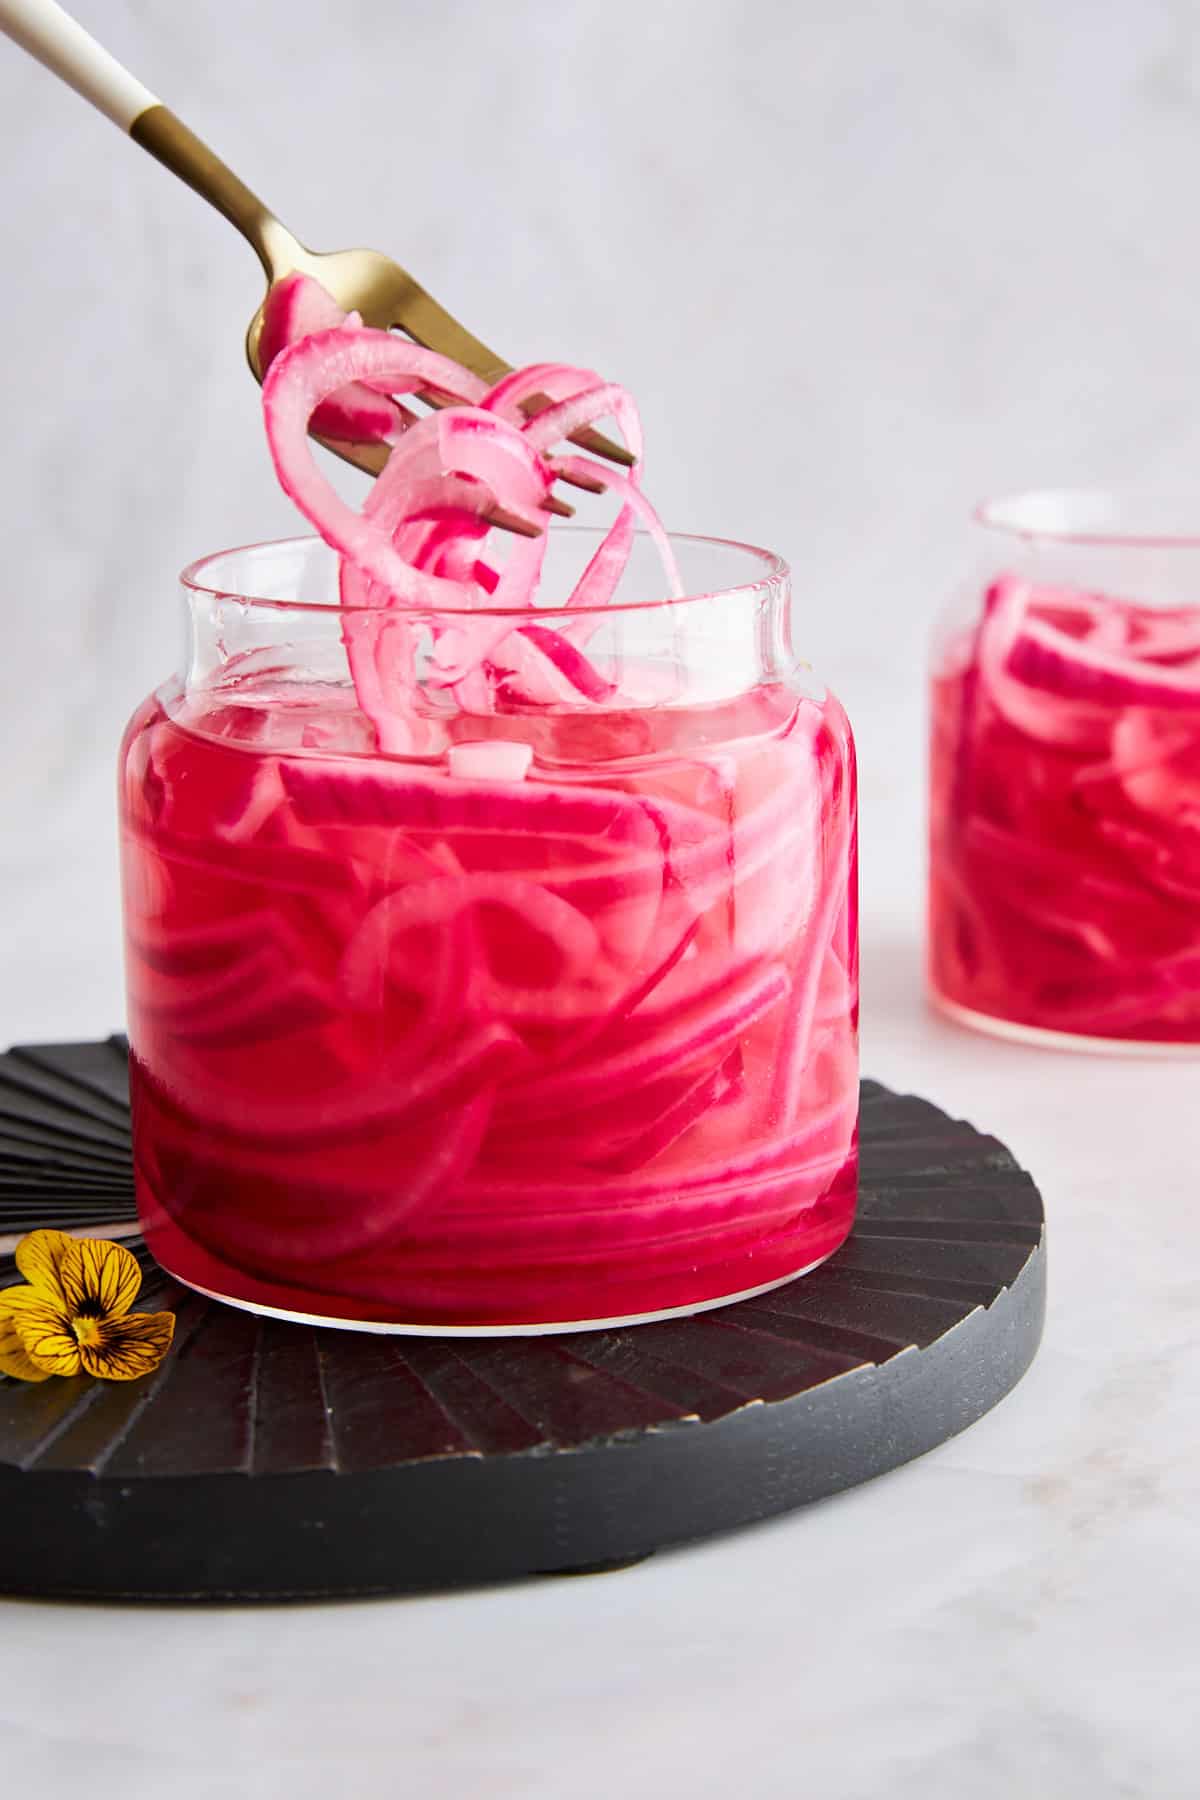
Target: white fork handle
68, 51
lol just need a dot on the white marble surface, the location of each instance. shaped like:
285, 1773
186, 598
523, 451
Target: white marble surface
1013, 1614
924, 251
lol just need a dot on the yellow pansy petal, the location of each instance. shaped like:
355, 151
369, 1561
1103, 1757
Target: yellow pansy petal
43, 1330
39, 1258
14, 1301
125, 1348
14, 1358
99, 1279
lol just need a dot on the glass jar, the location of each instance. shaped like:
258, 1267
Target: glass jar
1064, 899
540, 1013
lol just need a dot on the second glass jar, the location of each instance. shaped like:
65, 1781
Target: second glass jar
1064, 896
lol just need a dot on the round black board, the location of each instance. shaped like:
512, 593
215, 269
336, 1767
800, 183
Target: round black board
271, 1461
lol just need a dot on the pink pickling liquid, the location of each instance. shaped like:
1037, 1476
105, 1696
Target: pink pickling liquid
1065, 817
419, 1048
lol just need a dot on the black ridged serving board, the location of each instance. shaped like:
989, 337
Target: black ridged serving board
273, 1461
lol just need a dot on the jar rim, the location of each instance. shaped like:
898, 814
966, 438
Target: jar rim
774, 573
1096, 516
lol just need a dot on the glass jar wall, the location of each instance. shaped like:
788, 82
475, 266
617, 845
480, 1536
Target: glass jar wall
1064, 896
527, 1003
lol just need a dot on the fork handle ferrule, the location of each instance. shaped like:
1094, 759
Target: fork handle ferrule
177, 147
59, 42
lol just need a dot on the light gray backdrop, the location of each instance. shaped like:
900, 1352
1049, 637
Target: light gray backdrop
860, 263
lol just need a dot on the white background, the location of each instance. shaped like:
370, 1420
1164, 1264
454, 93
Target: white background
860, 263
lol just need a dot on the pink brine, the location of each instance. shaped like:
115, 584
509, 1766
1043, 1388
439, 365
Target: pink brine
428, 1049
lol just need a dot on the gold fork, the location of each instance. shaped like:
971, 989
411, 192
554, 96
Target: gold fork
363, 281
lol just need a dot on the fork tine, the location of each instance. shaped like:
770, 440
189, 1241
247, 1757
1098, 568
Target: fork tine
428, 323
510, 521
588, 483
371, 458
596, 444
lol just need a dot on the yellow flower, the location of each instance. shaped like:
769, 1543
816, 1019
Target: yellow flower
74, 1314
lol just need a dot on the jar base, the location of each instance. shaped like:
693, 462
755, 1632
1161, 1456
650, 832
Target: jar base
398, 1328
1013, 1032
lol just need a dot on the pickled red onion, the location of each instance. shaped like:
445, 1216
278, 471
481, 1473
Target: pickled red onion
295, 308
418, 542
